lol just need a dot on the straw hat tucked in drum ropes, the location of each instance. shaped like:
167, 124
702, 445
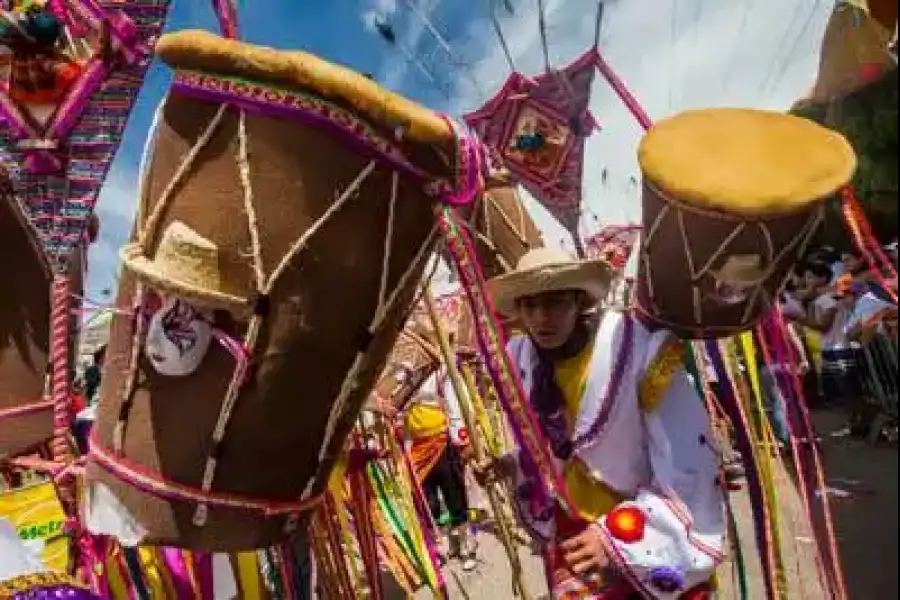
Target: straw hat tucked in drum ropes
185, 264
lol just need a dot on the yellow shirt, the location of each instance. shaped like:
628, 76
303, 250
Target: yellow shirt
593, 498
425, 420
814, 345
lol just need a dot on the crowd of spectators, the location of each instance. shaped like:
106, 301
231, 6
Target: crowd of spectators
828, 302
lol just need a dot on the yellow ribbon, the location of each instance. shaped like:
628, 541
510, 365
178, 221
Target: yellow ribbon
762, 459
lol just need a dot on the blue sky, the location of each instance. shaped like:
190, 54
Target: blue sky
673, 54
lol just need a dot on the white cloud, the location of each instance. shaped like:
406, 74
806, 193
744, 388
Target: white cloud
407, 19
755, 53
378, 10
115, 208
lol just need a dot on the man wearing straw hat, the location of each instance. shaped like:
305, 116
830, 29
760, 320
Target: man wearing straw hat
630, 436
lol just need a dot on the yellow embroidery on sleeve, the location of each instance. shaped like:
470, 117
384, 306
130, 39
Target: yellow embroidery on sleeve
668, 361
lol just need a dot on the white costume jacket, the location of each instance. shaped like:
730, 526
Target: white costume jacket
658, 453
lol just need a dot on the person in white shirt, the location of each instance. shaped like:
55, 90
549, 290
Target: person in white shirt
828, 315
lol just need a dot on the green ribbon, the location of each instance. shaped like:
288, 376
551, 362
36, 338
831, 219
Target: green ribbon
395, 522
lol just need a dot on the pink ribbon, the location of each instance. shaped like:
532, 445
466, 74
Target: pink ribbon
173, 560
226, 13
62, 11
471, 163
203, 565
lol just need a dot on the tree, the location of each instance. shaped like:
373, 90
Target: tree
868, 118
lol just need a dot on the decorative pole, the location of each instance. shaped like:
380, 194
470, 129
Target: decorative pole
459, 388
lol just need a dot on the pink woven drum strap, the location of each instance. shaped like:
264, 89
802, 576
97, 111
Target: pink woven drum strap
24, 410
226, 14
154, 483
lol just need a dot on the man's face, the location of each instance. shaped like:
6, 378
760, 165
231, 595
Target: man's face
550, 318
814, 281
850, 262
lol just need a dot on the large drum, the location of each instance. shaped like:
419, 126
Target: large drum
731, 197
286, 218
500, 227
26, 416
502, 231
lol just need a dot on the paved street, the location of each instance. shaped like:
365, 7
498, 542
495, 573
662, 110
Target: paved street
863, 479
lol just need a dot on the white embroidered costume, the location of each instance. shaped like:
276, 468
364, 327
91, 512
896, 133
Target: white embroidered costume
658, 454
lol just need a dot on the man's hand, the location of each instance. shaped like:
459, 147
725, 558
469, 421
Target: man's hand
383, 406
493, 469
584, 552
466, 453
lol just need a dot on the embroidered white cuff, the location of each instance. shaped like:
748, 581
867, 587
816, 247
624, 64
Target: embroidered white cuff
652, 541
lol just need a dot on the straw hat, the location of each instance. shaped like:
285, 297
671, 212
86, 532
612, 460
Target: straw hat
547, 270
187, 265
741, 270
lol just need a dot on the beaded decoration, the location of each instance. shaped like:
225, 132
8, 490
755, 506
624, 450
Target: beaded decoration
41, 586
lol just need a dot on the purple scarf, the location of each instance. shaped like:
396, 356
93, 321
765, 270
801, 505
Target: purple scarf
547, 398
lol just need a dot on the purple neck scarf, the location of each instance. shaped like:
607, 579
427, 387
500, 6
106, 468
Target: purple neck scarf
547, 398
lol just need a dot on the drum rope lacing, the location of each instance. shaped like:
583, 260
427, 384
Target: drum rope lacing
204, 496
23, 410
797, 245
483, 208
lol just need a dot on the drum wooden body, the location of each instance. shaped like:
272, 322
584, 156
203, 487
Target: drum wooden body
501, 231
25, 332
500, 227
277, 445
730, 200
673, 285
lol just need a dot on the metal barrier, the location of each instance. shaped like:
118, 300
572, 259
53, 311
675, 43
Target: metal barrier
880, 374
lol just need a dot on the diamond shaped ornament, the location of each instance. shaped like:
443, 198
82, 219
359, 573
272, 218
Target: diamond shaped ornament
70, 71
536, 128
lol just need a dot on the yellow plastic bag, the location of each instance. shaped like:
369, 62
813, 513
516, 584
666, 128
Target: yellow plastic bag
37, 515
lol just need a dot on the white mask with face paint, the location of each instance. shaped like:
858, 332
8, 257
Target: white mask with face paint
177, 339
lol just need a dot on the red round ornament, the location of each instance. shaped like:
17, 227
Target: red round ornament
626, 524
463, 436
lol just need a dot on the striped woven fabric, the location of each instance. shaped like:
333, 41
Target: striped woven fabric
60, 206
425, 452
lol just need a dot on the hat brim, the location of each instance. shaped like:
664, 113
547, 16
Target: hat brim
593, 277
155, 275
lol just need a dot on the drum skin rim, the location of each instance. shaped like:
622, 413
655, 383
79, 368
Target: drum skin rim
725, 152
723, 215
202, 50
